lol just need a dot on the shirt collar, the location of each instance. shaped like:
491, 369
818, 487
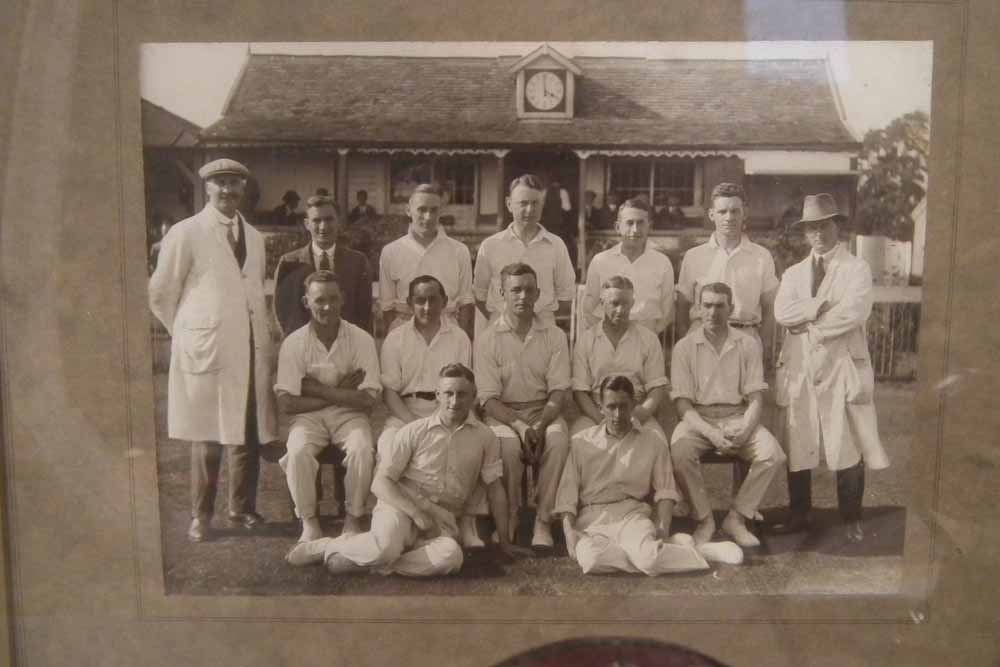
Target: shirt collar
701, 339
542, 235
318, 252
607, 435
444, 328
221, 218
714, 242
504, 324
435, 420
604, 334
829, 256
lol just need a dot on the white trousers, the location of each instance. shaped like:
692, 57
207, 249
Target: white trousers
762, 452
629, 544
309, 434
550, 468
394, 546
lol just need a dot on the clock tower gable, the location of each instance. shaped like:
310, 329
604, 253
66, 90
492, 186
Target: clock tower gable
546, 85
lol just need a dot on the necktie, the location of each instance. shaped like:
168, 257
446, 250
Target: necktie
324, 262
819, 272
231, 237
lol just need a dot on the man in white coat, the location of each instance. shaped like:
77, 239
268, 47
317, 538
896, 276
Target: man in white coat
825, 380
208, 290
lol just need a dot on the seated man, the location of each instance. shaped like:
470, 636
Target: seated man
412, 355
611, 468
328, 379
618, 346
522, 373
718, 386
426, 481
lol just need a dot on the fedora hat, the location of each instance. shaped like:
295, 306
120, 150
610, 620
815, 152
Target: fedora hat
816, 208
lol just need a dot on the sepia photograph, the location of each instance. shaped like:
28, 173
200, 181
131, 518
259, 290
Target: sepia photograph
536, 319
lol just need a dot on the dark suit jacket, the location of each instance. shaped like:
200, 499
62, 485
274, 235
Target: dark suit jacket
355, 281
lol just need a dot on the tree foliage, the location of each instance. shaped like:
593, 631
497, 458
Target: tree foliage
893, 176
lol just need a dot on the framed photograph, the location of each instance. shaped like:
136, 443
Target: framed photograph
870, 104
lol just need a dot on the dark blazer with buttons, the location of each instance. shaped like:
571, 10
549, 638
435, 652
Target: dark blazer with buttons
352, 272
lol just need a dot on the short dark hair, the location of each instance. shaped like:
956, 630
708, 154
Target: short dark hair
323, 200
290, 195
717, 288
517, 269
528, 181
635, 202
728, 190
321, 276
361, 193
617, 383
457, 371
421, 280
618, 282
426, 188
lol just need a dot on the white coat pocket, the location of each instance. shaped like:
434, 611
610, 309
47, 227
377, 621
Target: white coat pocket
198, 346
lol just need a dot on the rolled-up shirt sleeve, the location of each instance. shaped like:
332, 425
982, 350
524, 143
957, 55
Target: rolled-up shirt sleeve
685, 281
583, 376
291, 368
482, 275
568, 492
367, 359
664, 485
392, 369
492, 468
565, 275
465, 294
682, 381
653, 366
752, 375
488, 384
393, 463
558, 374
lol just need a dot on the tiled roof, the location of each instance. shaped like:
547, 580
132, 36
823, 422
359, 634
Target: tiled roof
365, 100
164, 129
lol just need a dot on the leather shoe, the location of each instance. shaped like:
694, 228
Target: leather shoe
248, 520
854, 532
797, 522
198, 530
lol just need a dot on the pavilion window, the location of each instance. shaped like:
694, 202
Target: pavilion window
455, 175
656, 180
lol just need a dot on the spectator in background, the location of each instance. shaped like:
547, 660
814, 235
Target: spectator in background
609, 213
286, 213
322, 192
670, 216
362, 209
591, 214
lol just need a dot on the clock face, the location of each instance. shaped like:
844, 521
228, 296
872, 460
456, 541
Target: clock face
544, 90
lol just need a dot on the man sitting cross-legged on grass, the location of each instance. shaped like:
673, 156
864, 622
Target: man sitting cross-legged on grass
612, 467
425, 482
328, 380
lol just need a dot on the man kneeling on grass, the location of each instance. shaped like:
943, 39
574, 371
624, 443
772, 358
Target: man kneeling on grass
427, 480
611, 469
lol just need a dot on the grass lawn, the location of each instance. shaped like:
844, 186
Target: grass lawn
235, 562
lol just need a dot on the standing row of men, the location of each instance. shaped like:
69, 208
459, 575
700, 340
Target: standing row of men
211, 272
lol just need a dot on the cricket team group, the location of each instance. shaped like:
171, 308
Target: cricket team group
471, 415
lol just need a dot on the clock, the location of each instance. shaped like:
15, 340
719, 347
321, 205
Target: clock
544, 90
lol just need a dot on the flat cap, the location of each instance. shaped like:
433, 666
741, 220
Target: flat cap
223, 166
